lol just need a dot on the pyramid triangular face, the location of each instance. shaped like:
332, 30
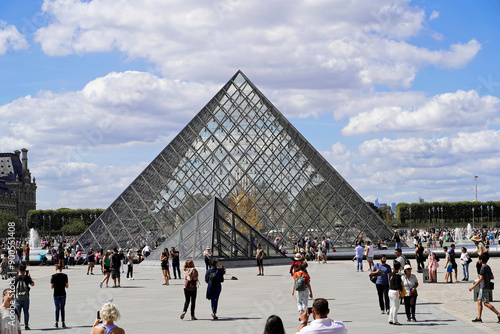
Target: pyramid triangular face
219, 228
240, 148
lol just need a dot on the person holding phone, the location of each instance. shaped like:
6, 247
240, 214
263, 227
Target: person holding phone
104, 324
321, 322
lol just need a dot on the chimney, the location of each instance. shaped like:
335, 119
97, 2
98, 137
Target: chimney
18, 153
25, 159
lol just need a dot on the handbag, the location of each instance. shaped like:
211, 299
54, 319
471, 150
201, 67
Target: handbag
413, 293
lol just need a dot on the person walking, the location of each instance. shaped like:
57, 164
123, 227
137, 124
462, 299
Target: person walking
214, 277
480, 250
164, 265
122, 260
369, 254
207, 254
453, 262
359, 257
484, 282
465, 260
419, 255
301, 284
395, 291
259, 256
91, 261
59, 283
27, 255
106, 324
115, 268
298, 263
397, 240
432, 264
9, 323
447, 266
130, 265
383, 271
106, 261
22, 284
176, 265
190, 288
410, 283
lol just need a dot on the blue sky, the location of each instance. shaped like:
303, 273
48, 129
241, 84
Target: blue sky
401, 97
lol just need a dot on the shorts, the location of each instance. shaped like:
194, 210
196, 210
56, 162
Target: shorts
260, 262
115, 273
454, 265
107, 269
91, 264
369, 258
449, 269
164, 266
484, 295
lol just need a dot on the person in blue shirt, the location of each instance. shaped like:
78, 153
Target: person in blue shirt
214, 277
382, 270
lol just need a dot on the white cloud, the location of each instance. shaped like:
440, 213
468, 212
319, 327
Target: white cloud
444, 112
319, 40
434, 15
11, 38
112, 111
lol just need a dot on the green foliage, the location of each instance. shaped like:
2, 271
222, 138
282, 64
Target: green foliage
5, 218
377, 210
75, 227
452, 212
60, 217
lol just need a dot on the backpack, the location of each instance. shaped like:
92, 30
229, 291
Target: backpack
22, 289
300, 283
212, 279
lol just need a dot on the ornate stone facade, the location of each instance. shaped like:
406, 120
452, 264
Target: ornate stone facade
17, 189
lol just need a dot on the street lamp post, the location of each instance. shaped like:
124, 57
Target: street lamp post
429, 216
481, 207
492, 224
473, 218
50, 225
433, 218
410, 217
43, 228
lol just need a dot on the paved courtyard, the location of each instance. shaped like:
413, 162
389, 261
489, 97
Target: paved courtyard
148, 306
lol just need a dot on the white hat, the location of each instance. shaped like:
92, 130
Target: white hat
208, 247
297, 257
407, 266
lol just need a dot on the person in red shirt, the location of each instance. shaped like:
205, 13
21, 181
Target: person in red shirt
301, 284
297, 264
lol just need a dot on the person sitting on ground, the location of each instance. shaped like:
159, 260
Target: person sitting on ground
321, 322
109, 314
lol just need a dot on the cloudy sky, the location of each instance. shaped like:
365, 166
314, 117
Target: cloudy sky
402, 97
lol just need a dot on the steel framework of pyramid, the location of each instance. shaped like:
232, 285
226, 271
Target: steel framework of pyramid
240, 148
218, 227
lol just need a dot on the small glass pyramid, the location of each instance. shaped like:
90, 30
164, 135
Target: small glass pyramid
218, 227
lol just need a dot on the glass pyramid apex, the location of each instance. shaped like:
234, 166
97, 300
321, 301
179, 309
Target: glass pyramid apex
240, 148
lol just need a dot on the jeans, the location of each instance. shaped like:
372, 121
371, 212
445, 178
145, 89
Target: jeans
176, 266
359, 265
395, 302
398, 245
25, 306
465, 268
302, 300
383, 296
190, 296
60, 302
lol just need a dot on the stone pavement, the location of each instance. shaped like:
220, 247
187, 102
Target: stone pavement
245, 304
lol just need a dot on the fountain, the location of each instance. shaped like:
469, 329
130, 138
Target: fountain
458, 234
34, 241
469, 231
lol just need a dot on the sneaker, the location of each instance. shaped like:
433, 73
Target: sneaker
477, 320
397, 323
409, 319
391, 323
91, 273
382, 312
499, 319
414, 319
132, 278
119, 286
100, 285
87, 273
27, 328
63, 325
56, 325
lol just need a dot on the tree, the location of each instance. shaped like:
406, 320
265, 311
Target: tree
7, 217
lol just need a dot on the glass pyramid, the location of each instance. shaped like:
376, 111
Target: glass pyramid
240, 148
221, 229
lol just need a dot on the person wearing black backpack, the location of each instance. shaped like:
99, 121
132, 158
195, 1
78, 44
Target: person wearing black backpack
214, 277
22, 282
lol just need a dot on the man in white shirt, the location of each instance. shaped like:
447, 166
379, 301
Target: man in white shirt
321, 323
